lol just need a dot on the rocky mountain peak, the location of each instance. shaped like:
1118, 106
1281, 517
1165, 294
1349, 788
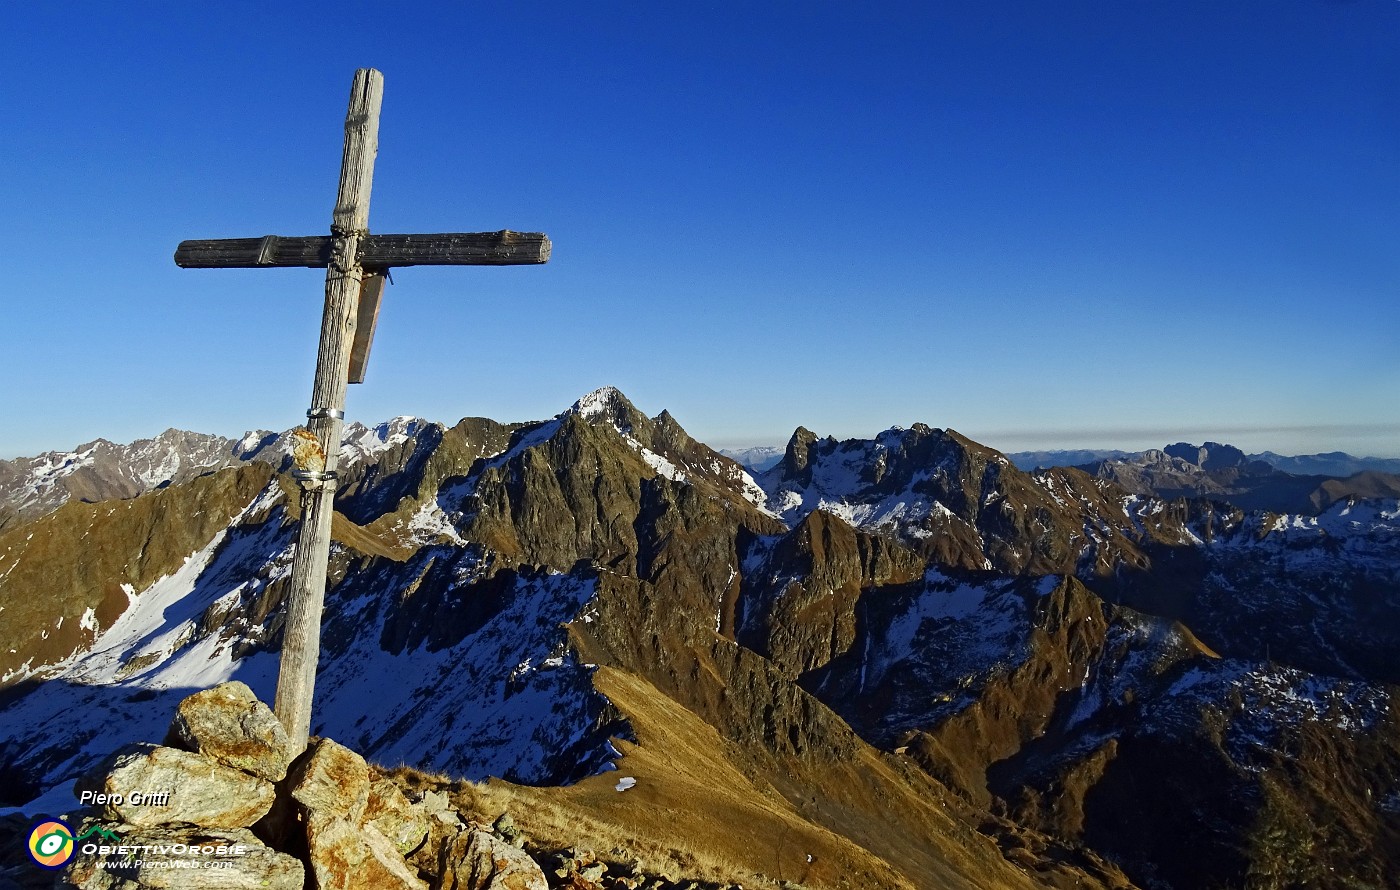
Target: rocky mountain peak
1158, 459
359, 441
1211, 456
796, 459
608, 404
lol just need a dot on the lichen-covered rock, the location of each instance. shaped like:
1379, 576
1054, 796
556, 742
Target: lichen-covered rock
477, 860
147, 785
436, 806
243, 863
505, 829
405, 825
444, 824
229, 724
345, 856
330, 780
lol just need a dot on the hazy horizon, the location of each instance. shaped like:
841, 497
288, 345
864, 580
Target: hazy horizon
1251, 440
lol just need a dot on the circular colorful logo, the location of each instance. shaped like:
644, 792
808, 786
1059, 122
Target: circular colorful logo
51, 843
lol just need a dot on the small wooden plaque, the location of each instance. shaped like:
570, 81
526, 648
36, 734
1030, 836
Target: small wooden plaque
371, 289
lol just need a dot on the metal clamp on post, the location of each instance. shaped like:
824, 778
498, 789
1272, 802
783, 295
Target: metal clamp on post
318, 413
310, 480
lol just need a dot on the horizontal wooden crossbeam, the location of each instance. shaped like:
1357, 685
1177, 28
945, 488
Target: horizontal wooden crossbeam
505, 248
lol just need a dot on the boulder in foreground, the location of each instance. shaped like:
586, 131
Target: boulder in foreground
148, 785
478, 860
228, 724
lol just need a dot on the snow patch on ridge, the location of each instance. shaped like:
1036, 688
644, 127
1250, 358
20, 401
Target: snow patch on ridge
508, 698
599, 401
360, 443
978, 628
1272, 700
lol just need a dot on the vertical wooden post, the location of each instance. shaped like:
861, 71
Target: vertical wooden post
301, 637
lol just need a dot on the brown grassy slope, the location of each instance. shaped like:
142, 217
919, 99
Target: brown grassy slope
783, 738
361, 539
701, 809
78, 557
1366, 484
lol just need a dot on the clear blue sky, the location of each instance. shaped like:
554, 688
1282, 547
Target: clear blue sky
1069, 224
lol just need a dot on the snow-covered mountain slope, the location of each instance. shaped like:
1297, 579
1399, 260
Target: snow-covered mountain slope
101, 470
755, 459
1321, 593
360, 443
497, 652
503, 657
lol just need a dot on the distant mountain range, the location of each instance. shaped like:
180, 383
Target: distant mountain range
101, 470
1265, 481
899, 662
756, 459
1225, 473
1332, 463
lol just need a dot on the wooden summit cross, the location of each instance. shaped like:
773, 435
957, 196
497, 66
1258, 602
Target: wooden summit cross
356, 263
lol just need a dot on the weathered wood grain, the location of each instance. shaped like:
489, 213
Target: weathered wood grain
301, 637
504, 248
354, 261
366, 318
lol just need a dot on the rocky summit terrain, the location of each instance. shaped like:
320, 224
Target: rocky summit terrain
900, 662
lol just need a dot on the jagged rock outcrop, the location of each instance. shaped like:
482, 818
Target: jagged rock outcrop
329, 788
957, 502
390, 812
573, 488
330, 780
345, 855
1212, 456
382, 465
801, 591
201, 813
477, 860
